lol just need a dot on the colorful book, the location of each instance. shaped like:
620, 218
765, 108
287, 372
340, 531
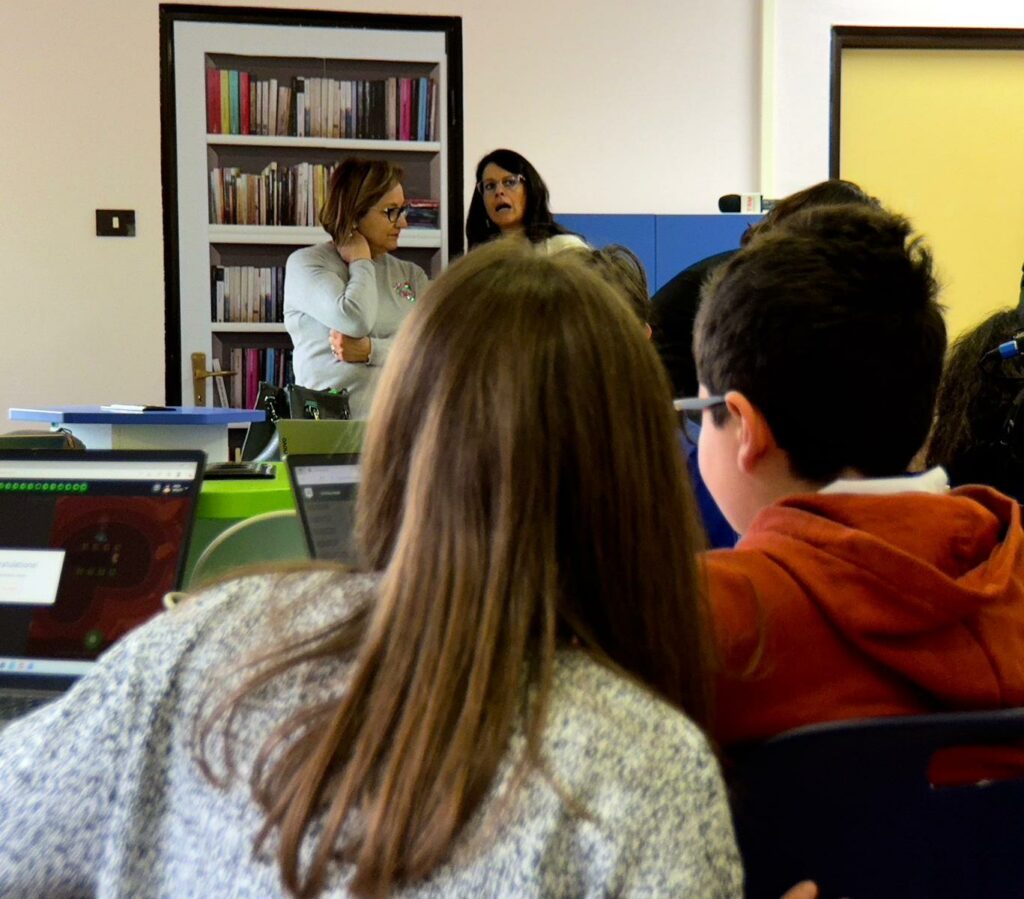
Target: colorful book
243, 97
225, 102
421, 118
235, 110
212, 101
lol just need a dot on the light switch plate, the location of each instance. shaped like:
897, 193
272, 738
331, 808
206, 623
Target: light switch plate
115, 222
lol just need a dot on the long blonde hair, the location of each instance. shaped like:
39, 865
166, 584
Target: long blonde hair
523, 489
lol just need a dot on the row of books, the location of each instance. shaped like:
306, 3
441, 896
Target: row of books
255, 364
385, 109
246, 293
292, 195
278, 195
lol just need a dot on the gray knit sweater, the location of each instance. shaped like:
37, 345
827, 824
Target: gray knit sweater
100, 795
368, 298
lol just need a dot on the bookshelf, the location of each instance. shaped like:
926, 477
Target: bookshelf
257, 106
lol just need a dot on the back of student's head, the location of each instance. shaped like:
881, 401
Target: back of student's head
978, 435
620, 267
521, 489
501, 425
832, 192
829, 324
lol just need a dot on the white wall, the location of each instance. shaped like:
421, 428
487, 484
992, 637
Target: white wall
645, 107
798, 42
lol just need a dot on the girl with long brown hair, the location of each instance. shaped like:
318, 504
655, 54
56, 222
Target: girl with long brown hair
480, 713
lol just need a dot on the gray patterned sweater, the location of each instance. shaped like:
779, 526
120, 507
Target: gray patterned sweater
100, 795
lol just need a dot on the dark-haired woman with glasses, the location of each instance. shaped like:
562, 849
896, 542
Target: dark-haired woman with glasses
351, 284
511, 198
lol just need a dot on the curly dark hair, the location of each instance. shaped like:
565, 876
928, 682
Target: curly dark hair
969, 438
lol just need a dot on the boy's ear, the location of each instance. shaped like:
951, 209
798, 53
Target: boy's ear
754, 437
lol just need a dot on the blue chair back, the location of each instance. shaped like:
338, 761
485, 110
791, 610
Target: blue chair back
850, 805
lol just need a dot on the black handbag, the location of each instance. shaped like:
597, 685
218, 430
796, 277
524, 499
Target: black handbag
296, 401
293, 401
305, 402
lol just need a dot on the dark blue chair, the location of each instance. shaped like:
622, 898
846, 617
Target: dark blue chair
849, 805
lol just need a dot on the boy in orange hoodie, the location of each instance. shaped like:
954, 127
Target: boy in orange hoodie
855, 590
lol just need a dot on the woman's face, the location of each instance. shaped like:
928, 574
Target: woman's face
380, 232
504, 196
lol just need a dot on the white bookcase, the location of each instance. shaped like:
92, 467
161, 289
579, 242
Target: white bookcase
285, 45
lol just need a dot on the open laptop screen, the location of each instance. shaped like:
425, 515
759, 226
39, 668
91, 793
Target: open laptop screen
325, 489
89, 544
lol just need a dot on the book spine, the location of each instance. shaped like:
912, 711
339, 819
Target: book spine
222, 393
284, 97
405, 102
434, 132
233, 87
212, 101
237, 391
225, 102
243, 91
252, 376
422, 119
272, 112
299, 90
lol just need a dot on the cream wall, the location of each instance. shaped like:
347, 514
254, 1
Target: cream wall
645, 107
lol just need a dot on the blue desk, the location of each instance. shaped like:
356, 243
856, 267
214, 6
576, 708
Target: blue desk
181, 427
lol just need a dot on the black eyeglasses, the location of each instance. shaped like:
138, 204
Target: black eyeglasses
697, 403
394, 213
490, 186
691, 407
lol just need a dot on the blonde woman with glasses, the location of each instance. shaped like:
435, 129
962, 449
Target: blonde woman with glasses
352, 284
506, 702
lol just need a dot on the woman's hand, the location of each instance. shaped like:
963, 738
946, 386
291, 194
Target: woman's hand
350, 349
354, 248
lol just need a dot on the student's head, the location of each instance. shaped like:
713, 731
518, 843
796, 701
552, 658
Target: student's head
620, 267
978, 435
825, 337
833, 192
509, 196
499, 425
676, 308
364, 195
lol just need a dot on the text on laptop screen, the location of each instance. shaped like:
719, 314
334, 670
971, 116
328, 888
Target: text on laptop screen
88, 548
326, 496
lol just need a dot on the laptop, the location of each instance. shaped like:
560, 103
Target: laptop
89, 544
325, 488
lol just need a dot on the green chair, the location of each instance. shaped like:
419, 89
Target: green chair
268, 537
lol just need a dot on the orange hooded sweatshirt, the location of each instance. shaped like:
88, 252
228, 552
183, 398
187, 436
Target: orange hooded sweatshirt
839, 606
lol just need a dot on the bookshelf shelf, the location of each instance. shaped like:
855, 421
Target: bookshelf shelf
248, 327
253, 106
289, 235
343, 145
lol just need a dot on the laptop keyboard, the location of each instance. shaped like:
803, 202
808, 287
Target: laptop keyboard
17, 703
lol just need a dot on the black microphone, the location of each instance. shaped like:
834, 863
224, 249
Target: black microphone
751, 204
